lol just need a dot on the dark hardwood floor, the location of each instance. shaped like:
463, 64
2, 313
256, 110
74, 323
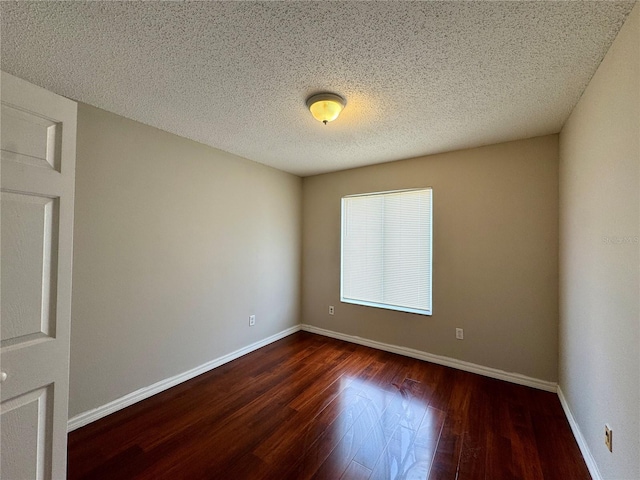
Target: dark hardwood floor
313, 407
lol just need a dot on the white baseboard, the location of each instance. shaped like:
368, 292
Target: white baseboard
440, 360
582, 443
85, 418
92, 415
146, 392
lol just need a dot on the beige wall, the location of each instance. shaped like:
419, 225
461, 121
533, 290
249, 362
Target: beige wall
599, 258
175, 245
495, 260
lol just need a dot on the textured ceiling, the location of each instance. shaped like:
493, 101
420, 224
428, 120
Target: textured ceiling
419, 77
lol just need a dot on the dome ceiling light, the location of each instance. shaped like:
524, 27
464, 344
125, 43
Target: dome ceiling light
325, 107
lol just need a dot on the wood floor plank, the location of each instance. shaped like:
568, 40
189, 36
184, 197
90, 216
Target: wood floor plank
320, 450
355, 471
379, 435
312, 404
447, 456
313, 407
477, 423
523, 444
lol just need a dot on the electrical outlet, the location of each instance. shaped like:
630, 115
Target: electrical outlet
252, 320
608, 437
459, 334
331, 310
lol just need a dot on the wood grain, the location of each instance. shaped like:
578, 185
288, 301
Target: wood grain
311, 407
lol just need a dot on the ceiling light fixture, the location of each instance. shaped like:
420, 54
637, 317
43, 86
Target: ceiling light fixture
325, 107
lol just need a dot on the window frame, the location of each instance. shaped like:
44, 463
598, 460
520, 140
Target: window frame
428, 311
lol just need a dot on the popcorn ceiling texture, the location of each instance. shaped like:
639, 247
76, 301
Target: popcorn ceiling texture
419, 77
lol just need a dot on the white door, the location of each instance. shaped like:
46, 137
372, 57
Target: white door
38, 139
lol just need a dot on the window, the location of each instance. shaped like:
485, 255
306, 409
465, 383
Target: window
386, 250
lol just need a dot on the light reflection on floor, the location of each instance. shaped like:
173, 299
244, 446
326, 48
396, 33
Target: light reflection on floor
389, 431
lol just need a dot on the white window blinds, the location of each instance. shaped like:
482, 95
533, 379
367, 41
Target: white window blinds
386, 250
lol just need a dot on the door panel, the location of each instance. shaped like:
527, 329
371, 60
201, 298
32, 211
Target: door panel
25, 426
38, 132
28, 260
30, 138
